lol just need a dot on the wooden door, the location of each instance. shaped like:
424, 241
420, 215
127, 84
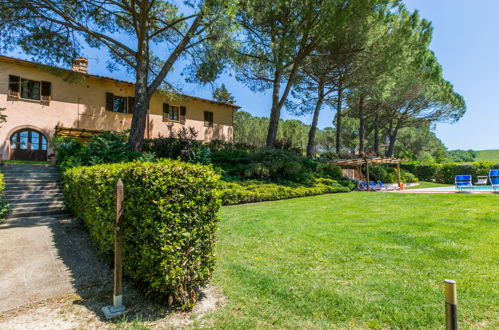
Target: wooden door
28, 145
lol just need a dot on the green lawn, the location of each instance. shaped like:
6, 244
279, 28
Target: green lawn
488, 156
358, 260
424, 184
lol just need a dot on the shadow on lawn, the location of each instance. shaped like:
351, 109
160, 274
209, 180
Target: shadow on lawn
92, 276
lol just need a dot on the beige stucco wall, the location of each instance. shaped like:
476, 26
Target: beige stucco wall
81, 104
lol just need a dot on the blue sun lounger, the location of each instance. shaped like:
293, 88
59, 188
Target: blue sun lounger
381, 186
494, 179
463, 182
362, 186
373, 186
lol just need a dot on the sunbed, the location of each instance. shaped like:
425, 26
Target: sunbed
494, 179
374, 186
362, 186
381, 186
481, 181
463, 182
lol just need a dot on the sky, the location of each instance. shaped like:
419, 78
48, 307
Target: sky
466, 43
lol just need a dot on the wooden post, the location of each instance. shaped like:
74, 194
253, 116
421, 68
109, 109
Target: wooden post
118, 308
118, 246
398, 176
450, 305
367, 175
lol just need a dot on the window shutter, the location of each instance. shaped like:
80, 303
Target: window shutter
208, 118
109, 101
131, 104
14, 84
46, 89
183, 114
166, 112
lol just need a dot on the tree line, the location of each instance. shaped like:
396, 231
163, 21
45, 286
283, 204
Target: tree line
413, 143
368, 60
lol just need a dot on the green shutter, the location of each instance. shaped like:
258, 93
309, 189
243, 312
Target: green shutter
46, 89
14, 84
110, 101
131, 104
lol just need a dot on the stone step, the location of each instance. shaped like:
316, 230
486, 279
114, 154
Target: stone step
28, 168
31, 196
29, 214
33, 188
26, 194
28, 181
51, 176
25, 166
48, 200
37, 207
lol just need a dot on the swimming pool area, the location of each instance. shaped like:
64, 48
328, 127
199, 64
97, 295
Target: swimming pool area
453, 189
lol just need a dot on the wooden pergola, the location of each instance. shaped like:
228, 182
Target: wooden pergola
81, 133
357, 162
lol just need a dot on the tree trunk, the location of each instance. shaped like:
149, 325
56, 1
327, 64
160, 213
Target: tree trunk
275, 112
139, 118
362, 125
376, 136
338, 119
391, 147
315, 120
278, 102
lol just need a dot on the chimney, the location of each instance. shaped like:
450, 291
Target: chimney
80, 65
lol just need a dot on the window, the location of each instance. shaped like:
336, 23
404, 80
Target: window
121, 104
173, 113
29, 89
208, 119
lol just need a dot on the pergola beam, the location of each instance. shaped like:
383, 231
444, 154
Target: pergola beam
370, 160
76, 132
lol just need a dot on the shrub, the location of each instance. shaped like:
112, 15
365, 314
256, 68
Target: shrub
327, 170
169, 147
327, 156
280, 166
169, 221
4, 206
233, 163
380, 172
198, 153
101, 149
250, 192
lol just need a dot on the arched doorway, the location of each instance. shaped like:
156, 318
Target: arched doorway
28, 144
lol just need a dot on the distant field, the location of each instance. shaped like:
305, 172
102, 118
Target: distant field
488, 156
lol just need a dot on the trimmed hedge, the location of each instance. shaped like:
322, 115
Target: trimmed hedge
4, 206
250, 192
446, 173
170, 221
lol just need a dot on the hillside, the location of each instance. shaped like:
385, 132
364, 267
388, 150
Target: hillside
488, 156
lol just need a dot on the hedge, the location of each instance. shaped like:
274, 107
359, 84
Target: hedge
170, 221
445, 173
237, 193
4, 206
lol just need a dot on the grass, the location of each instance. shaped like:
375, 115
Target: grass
488, 156
358, 260
424, 184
